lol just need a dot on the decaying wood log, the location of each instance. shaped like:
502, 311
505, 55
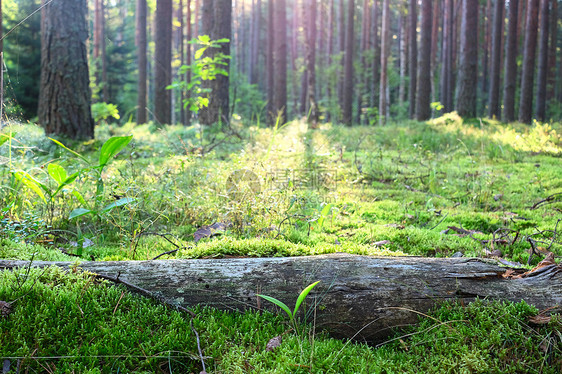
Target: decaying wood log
359, 297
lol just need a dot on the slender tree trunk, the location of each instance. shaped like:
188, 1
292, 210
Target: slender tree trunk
487, 19
447, 57
189, 36
296, 94
302, 17
181, 41
163, 62
510, 72
1, 67
196, 13
342, 33
100, 58
364, 76
413, 52
280, 57
542, 75
385, 50
348, 67
468, 64
552, 52
423, 96
255, 42
403, 53
270, 65
494, 99
375, 47
528, 70
434, 46
310, 32
142, 61
219, 27
64, 89
330, 86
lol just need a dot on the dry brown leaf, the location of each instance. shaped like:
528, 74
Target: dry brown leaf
5, 309
209, 231
381, 243
274, 343
540, 320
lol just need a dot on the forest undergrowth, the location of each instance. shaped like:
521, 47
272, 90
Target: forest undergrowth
443, 188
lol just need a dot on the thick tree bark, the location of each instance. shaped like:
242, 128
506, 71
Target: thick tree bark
494, 99
359, 297
413, 53
142, 61
423, 95
280, 61
64, 93
542, 74
510, 72
348, 65
163, 62
468, 64
528, 70
385, 51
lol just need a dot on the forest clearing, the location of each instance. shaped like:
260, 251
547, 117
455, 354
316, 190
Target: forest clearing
287, 186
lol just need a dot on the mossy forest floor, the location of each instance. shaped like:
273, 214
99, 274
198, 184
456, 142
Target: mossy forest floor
432, 189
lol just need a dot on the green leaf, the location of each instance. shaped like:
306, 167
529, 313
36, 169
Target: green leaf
32, 184
224, 40
280, 304
79, 212
302, 296
5, 137
113, 146
120, 202
204, 39
66, 182
71, 151
79, 197
57, 172
200, 52
323, 214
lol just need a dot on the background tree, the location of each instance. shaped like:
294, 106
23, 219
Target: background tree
446, 86
384, 97
142, 61
413, 57
348, 66
280, 61
100, 58
494, 98
528, 70
65, 97
468, 60
310, 31
423, 96
510, 71
542, 74
163, 62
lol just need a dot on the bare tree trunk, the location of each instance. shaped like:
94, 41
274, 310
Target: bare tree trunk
64, 90
487, 19
348, 66
434, 45
280, 57
494, 99
447, 57
142, 61
542, 75
189, 36
413, 53
423, 96
528, 70
403, 53
359, 297
310, 33
330, 53
163, 62
270, 65
552, 52
385, 50
468, 64
510, 77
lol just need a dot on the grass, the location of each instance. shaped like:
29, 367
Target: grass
70, 322
403, 189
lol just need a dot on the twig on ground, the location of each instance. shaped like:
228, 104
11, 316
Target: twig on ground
549, 200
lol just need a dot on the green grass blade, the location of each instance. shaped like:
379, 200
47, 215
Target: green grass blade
113, 146
71, 151
303, 295
280, 304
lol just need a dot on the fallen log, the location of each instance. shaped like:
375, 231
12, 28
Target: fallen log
360, 297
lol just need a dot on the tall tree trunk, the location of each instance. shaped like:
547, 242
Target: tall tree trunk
310, 32
375, 47
189, 36
423, 96
447, 57
434, 46
271, 116
542, 75
294, 56
468, 63
341, 31
196, 13
301, 25
364, 76
280, 57
510, 72
528, 70
100, 57
487, 19
64, 89
255, 42
142, 61
330, 87
552, 51
218, 110
494, 99
403, 52
385, 50
163, 62
181, 41
413, 53
348, 66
